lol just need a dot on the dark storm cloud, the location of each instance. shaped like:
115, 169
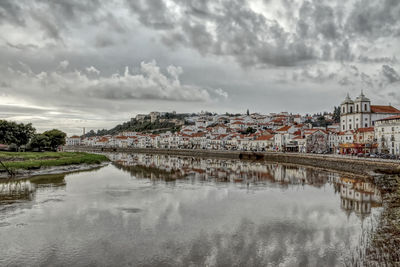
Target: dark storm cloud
225, 28
103, 41
390, 74
10, 12
323, 30
374, 18
152, 13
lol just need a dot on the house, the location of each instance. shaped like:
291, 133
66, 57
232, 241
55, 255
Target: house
387, 135
4, 147
73, 141
263, 143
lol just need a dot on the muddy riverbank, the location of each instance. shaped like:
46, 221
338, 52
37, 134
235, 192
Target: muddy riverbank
51, 170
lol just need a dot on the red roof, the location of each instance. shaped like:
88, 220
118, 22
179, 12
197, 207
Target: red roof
391, 118
284, 129
265, 137
367, 129
298, 132
384, 109
198, 134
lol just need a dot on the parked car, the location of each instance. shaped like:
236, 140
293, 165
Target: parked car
373, 156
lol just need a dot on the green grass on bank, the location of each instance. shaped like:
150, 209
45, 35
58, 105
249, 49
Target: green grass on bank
36, 160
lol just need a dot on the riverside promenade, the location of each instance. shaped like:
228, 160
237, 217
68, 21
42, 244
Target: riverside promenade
350, 164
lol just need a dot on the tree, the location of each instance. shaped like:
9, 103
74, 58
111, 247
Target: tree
336, 114
249, 130
56, 138
18, 134
40, 142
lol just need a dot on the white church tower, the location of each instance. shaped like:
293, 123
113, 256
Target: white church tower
355, 114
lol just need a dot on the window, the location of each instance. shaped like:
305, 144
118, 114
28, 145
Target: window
356, 108
349, 126
343, 110
366, 119
343, 127
366, 125
351, 109
365, 107
357, 126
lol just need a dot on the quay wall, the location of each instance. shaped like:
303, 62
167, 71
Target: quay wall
362, 166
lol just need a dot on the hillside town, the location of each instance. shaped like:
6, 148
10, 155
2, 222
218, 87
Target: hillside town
364, 130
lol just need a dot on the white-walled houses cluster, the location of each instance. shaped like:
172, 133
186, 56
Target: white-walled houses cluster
363, 128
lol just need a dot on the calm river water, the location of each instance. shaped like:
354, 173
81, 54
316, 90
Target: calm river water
156, 210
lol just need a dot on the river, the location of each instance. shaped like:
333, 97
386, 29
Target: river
160, 210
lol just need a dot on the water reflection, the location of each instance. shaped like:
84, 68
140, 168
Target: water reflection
356, 195
17, 190
12, 191
155, 210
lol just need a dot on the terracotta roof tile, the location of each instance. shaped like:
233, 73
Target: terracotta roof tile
391, 118
384, 109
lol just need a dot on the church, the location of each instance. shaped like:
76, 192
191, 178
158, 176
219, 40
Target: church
361, 114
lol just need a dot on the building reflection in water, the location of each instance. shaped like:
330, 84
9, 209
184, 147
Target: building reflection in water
18, 190
356, 195
359, 196
14, 190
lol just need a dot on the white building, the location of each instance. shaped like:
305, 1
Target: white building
73, 141
361, 114
387, 134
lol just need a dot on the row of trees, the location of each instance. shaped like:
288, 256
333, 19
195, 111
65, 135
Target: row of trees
18, 135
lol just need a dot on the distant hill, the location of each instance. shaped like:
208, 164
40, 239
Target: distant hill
167, 122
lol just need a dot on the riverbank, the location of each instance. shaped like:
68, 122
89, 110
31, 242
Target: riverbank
25, 164
359, 166
384, 243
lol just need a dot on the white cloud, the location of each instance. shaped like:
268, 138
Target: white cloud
92, 69
63, 64
148, 83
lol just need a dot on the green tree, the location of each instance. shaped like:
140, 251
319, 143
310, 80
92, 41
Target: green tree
56, 138
249, 130
40, 142
18, 134
336, 114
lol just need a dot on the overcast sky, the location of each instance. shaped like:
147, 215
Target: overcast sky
70, 64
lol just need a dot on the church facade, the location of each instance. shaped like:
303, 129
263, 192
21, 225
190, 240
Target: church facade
361, 114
